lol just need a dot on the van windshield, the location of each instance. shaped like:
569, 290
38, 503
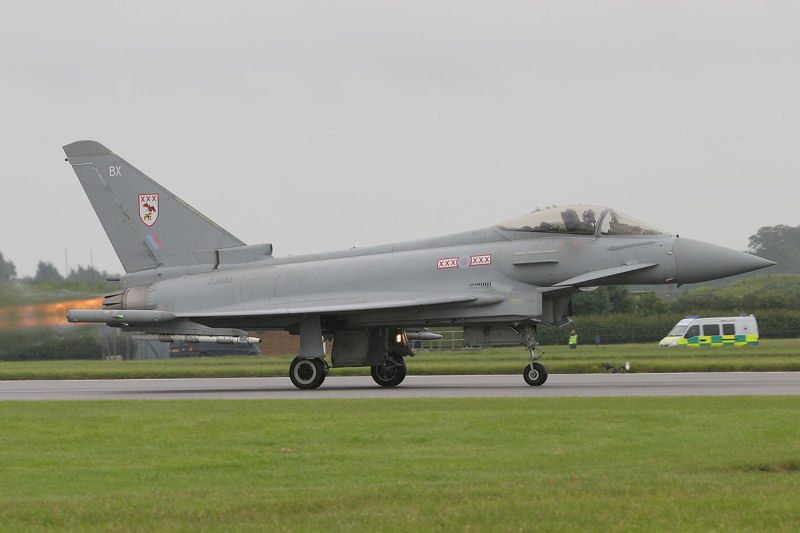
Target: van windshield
677, 331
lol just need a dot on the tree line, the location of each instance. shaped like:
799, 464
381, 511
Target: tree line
765, 291
46, 272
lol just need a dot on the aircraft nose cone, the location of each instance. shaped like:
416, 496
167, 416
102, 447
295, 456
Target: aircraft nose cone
702, 261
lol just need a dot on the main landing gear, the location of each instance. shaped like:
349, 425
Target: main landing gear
390, 373
535, 373
381, 349
308, 373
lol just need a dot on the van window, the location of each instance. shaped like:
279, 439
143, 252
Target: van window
710, 329
728, 329
693, 331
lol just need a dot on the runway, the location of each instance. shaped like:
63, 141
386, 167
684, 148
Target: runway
558, 385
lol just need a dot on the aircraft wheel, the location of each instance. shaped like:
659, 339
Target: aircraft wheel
389, 374
307, 373
536, 375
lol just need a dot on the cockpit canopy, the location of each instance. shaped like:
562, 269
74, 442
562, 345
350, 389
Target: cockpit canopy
580, 220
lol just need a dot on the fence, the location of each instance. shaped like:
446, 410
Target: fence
452, 339
118, 343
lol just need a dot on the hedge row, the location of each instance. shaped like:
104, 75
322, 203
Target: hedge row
85, 343
624, 328
38, 344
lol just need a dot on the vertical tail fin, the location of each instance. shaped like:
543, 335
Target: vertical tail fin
147, 225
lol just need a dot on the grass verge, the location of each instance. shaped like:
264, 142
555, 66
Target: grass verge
503, 464
770, 355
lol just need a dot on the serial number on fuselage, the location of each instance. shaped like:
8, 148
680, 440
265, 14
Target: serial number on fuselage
219, 281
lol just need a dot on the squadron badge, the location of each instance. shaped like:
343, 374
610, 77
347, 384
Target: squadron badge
148, 208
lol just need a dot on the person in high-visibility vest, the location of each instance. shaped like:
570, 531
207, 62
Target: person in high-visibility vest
573, 339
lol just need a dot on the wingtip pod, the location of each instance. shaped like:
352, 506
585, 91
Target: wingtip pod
85, 149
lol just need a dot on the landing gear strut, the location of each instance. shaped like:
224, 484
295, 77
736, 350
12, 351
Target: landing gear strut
535, 373
308, 373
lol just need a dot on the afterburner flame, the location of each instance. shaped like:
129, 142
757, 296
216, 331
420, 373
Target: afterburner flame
43, 315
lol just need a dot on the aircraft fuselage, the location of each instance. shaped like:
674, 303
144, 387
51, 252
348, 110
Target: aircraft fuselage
510, 277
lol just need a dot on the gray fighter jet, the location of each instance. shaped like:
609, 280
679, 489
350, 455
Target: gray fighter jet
188, 280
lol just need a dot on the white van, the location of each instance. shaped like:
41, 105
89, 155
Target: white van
713, 331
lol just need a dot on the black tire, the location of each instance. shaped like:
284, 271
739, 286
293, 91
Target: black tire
307, 373
535, 376
203, 354
389, 374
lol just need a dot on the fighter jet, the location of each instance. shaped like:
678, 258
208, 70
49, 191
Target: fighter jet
187, 279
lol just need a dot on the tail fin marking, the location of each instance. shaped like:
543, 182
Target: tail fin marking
148, 225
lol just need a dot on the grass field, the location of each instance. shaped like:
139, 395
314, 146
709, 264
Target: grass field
504, 464
771, 354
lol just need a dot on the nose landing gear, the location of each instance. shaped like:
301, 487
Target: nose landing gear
534, 373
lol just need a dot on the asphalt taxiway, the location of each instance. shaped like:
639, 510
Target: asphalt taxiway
481, 386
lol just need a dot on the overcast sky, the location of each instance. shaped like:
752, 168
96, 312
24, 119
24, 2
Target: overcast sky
319, 125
